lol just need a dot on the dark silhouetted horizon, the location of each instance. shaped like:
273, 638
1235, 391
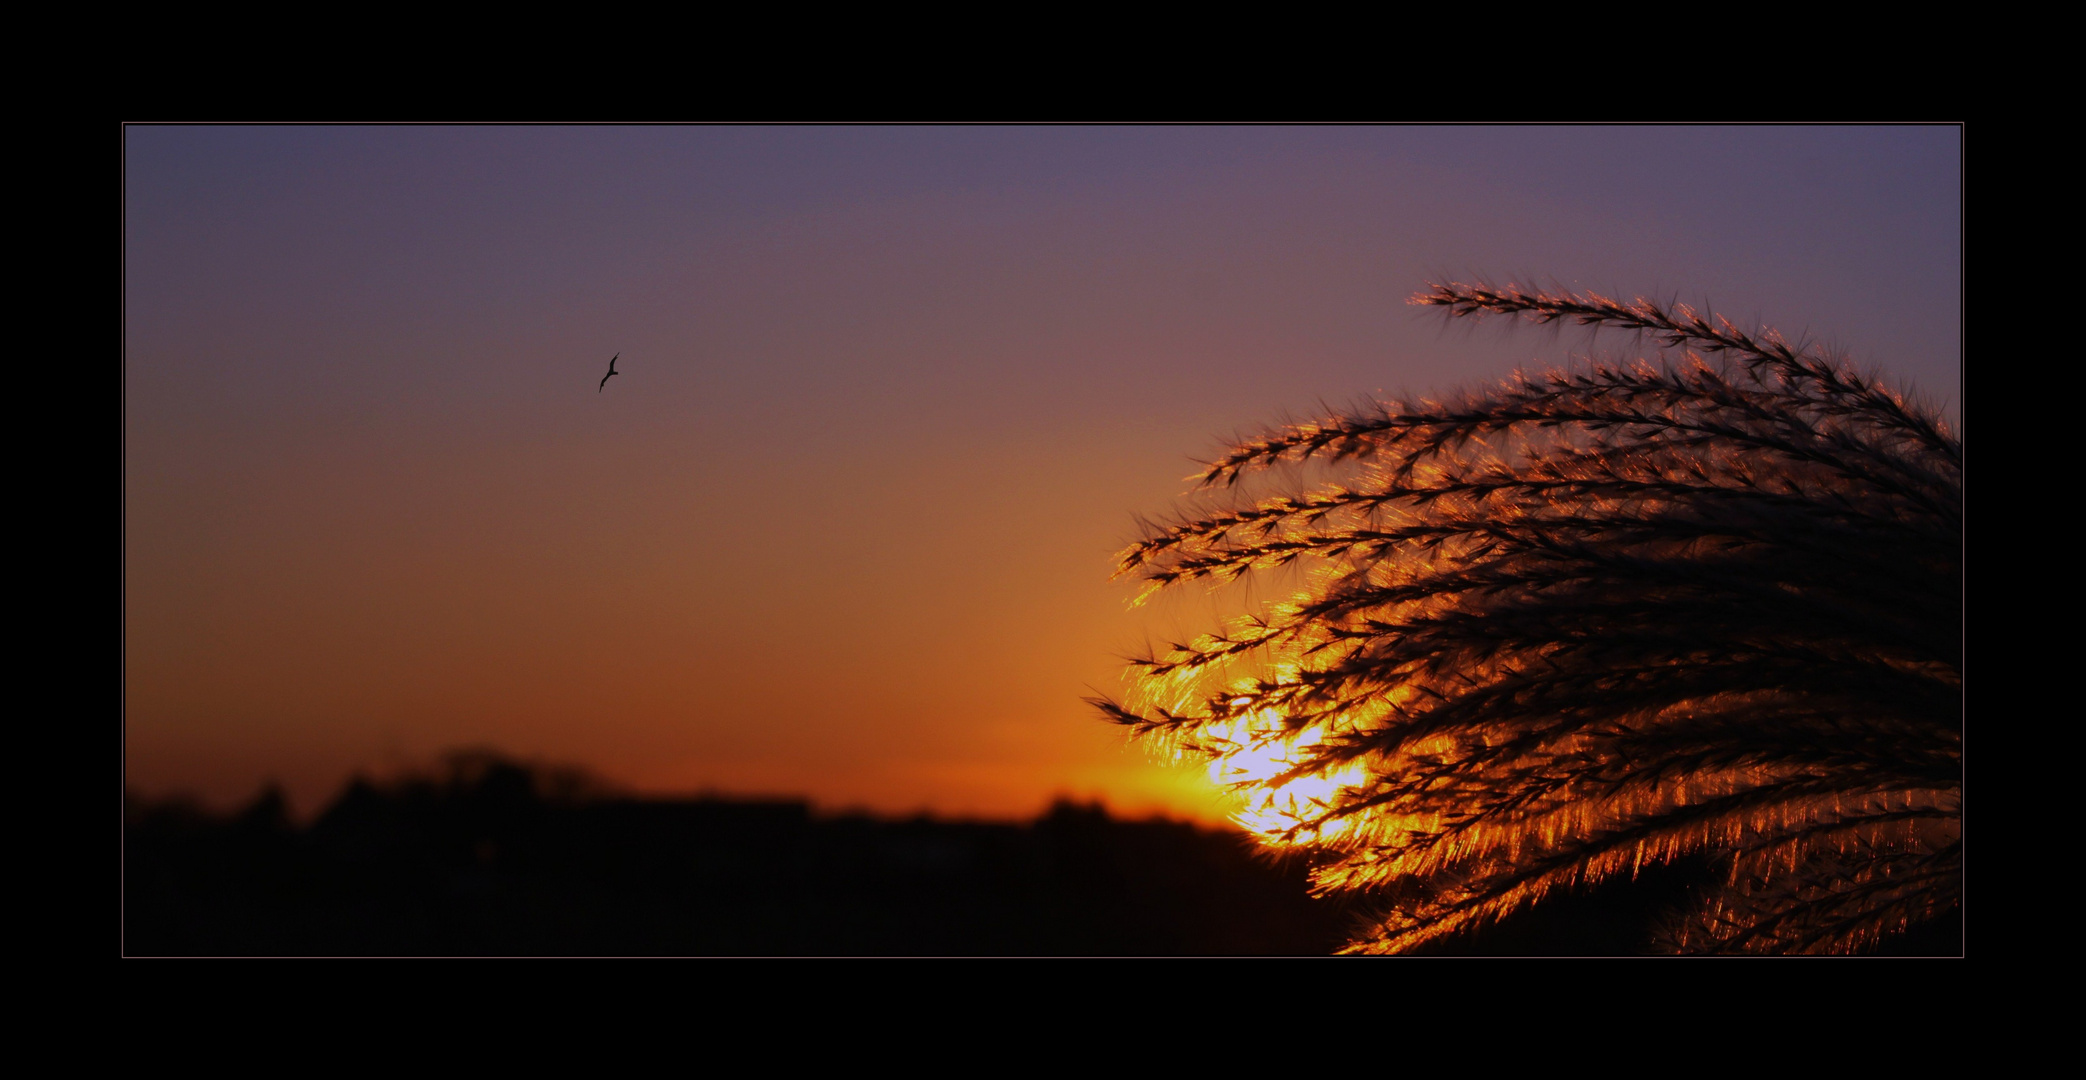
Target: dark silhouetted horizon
488, 856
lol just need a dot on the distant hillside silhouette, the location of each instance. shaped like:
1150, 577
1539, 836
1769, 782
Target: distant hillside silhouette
498, 858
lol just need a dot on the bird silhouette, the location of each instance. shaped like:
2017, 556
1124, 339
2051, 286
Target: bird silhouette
611, 374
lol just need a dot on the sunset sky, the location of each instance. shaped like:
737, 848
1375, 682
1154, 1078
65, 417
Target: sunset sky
889, 400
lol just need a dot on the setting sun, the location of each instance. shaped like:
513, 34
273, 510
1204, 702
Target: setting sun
1268, 770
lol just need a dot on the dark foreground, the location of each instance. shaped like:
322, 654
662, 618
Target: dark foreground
493, 860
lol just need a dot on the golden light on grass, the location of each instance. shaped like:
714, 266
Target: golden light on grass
1706, 605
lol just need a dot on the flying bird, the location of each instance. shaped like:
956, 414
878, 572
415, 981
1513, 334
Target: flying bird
611, 374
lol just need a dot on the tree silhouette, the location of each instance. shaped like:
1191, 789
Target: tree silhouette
1703, 605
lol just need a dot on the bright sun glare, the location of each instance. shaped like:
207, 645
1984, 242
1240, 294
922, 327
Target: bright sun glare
1260, 753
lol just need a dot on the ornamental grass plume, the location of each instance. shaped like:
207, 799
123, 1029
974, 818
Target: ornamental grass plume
1705, 604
